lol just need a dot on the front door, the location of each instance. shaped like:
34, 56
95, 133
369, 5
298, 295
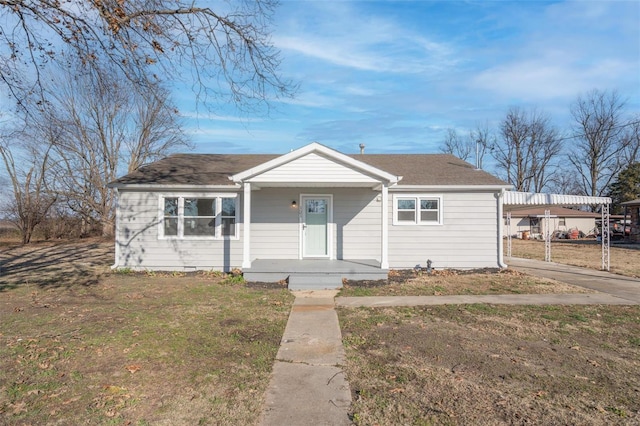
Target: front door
315, 226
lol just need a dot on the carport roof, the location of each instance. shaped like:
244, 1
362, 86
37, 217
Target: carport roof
635, 202
514, 198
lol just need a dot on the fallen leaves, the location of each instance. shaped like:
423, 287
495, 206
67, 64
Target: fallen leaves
133, 368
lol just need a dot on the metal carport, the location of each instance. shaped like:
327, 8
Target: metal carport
514, 198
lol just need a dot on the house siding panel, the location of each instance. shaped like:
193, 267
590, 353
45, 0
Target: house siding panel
140, 248
466, 239
313, 168
520, 224
274, 224
275, 229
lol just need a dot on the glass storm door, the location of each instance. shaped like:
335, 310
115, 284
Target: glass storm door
315, 218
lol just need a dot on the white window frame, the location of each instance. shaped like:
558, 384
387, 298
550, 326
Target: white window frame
218, 216
417, 198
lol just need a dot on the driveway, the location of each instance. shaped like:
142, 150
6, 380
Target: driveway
616, 285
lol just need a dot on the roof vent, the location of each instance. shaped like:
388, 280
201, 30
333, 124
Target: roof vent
361, 148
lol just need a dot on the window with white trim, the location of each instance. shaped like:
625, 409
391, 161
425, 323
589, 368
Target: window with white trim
193, 217
417, 210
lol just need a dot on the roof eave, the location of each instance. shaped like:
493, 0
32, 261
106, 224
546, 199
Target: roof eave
410, 188
173, 187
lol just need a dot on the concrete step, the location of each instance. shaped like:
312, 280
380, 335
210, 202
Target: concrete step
315, 281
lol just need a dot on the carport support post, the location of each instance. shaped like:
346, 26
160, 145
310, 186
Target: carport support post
246, 240
508, 234
547, 235
606, 237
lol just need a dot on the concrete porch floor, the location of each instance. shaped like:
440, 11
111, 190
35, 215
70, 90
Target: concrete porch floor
314, 274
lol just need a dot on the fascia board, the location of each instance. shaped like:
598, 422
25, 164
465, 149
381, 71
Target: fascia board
456, 188
173, 187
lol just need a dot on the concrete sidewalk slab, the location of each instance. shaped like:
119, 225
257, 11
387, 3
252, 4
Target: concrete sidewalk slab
617, 285
308, 385
508, 299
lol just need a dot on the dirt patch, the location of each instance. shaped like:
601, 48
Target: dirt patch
484, 364
446, 282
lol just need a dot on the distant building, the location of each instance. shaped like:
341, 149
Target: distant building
529, 222
632, 209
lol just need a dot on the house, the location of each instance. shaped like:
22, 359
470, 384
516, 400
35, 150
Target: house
632, 212
313, 205
528, 222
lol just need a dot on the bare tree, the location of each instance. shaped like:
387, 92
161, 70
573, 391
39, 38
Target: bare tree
154, 130
106, 129
455, 144
483, 139
528, 149
597, 153
31, 201
631, 142
475, 144
226, 54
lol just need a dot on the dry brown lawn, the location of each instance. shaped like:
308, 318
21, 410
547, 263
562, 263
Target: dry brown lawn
624, 258
493, 365
80, 344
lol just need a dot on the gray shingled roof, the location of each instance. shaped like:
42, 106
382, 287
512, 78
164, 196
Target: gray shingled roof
215, 169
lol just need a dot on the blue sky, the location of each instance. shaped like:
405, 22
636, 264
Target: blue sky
396, 75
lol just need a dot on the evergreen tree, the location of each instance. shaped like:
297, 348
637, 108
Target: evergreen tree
626, 187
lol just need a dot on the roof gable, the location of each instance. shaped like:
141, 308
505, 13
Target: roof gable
313, 163
314, 168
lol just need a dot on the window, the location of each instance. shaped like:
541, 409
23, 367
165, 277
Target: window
417, 210
534, 225
199, 216
170, 221
205, 217
562, 221
228, 217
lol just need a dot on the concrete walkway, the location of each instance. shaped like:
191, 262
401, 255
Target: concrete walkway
308, 385
617, 285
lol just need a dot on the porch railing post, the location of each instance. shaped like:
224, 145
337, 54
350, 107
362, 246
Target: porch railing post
384, 255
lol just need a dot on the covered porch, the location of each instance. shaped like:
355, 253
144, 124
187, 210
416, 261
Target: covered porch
308, 274
315, 217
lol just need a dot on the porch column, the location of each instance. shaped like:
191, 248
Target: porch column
246, 237
384, 256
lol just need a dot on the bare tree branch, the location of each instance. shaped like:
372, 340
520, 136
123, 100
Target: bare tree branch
226, 54
596, 155
528, 150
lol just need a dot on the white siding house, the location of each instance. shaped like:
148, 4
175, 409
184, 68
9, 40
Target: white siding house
205, 211
529, 222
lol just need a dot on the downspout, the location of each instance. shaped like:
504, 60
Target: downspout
501, 263
116, 231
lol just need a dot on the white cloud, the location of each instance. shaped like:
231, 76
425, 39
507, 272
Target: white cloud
344, 35
208, 116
